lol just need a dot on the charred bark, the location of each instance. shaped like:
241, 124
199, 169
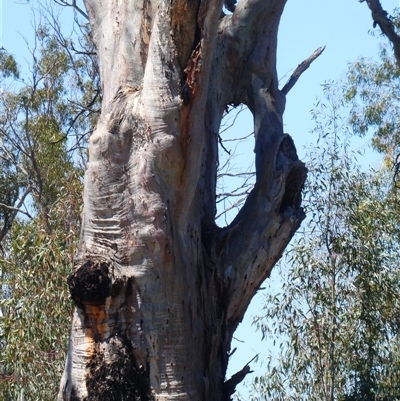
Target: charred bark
159, 287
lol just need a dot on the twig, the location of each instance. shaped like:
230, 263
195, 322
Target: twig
220, 140
73, 5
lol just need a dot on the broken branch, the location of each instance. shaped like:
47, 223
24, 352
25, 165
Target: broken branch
300, 69
230, 385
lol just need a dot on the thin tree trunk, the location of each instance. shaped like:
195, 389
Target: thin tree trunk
159, 288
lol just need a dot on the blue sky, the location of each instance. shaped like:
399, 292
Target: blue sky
341, 25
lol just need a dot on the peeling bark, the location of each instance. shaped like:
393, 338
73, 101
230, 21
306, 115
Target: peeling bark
159, 287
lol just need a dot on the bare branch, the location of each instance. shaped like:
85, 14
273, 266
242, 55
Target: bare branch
231, 123
73, 4
240, 138
244, 174
234, 205
300, 69
17, 209
221, 142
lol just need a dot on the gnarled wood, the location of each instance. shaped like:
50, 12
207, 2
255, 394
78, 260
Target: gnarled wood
159, 287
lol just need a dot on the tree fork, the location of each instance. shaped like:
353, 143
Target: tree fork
159, 287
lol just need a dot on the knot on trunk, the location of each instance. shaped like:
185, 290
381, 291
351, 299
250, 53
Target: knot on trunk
91, 283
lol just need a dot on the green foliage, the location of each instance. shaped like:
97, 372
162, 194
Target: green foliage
8, 192
335, 321
373, 94
8, 65
35, 299
45, 121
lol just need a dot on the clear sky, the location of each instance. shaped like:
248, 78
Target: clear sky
341, 25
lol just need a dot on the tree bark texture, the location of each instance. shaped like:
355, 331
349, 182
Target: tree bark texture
159, 287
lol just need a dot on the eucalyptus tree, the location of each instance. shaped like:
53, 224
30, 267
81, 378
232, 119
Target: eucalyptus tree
46, 112
372, 95
373, 87
159, 288
34, 298
45, 119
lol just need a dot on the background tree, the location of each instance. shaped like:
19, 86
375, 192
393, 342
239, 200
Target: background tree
379, 110
35, 300
45, 120
336, 317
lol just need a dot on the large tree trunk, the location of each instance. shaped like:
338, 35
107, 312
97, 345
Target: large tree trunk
159, 288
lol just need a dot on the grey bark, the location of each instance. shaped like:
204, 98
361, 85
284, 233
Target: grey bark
159, 287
